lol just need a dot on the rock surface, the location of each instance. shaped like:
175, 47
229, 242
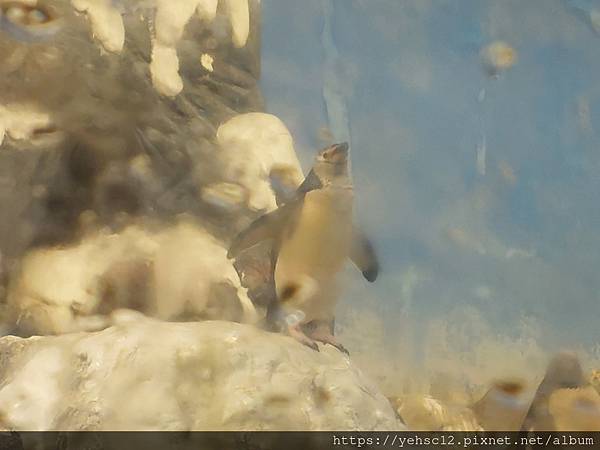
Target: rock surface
425, 413
179, 273
143, 374
504, 406
252, 145
89, 119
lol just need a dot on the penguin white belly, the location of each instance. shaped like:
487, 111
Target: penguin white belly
312, 252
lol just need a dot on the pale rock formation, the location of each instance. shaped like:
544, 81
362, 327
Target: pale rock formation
425, 413
106, 22
239, 15
504, 406
253, 145
84, 128
20, 121
150, 375
169, 23
180, 273
164, 69
193, 277
165, 22
575, 409
564, 371
564, 401
207, 62
225, 196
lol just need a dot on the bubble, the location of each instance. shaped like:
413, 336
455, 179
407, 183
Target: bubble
498, 56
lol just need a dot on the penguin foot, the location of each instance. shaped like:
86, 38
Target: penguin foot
295, 332
337, 345
321, 333
341, 348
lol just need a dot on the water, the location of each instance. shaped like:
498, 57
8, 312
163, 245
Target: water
474, 136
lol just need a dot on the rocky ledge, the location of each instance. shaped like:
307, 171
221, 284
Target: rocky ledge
144, 374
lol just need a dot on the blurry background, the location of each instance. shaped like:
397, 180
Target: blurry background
479, 187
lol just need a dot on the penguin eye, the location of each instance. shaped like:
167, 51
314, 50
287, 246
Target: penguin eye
326, 155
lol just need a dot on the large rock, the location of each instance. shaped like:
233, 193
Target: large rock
252, 146
147, 375
179, 273
121, 84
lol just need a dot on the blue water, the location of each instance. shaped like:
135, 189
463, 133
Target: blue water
402, 80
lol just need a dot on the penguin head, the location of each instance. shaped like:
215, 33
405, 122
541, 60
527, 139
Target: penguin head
334, 154
332, 162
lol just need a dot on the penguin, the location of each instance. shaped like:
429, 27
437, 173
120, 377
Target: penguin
312, 234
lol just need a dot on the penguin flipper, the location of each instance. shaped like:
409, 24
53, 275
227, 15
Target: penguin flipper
265, 227
310, 183
362, 254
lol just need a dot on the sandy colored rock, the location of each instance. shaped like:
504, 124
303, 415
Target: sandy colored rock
251, 146
21, 121
504, 406
105, 21
425, 413
180, 273
575, 409
564, 371
150, 375
595, 379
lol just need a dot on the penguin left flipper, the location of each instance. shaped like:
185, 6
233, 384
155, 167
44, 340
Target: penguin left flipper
269, 226
362, 254
272, 224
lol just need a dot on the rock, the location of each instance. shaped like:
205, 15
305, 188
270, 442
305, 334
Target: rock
195, 280
425, 413
75, 106
564, 371
169, 23
239, 15
595, 379
106, 22
178, 273
575, 409
21, 121
224, 196
252, 146
151, 375
504, 406
57, 286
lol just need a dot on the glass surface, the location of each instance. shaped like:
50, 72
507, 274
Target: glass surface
144, 142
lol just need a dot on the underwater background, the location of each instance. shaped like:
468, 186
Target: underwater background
139, 138
479, 189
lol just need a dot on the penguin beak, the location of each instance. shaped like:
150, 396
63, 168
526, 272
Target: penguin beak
341, 149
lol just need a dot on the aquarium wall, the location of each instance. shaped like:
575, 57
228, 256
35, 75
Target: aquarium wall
188, 189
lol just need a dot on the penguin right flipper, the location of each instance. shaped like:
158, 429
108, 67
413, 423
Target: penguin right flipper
269, 226
362, 254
